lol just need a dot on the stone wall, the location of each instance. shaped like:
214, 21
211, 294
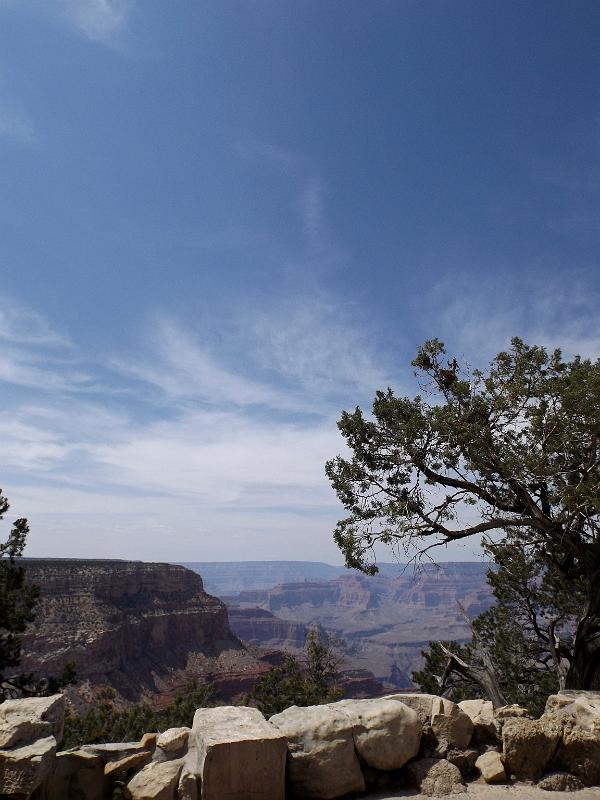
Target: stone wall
320, 752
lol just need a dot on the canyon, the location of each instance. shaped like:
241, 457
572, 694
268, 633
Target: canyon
382, 622
147, 630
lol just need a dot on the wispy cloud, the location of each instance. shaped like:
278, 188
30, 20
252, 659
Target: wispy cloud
26, 327
182, 367
480, 318
99, 20
321, 347
34, 354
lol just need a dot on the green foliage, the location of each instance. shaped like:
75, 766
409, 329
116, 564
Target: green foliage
106, 722
17, 597
528, 633
519, 442
308, 681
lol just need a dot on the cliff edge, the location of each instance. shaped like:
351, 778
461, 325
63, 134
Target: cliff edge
138, 627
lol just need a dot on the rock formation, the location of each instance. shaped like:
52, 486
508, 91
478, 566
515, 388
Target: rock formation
137, 627
384, 620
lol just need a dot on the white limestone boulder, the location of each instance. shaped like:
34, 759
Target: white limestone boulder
155, 782
386, 733
446, 726
23, 769
24, 720
486, 729
322, 761
238, 754
578, 714
173, 740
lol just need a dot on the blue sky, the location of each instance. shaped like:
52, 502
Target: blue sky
223, 222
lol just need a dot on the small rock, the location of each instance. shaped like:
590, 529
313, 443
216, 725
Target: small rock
121, 767
560, 782
435, 777
155, 782
173, 740
464, 760
491, 766
509, 712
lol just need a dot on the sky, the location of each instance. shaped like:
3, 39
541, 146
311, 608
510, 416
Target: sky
221, 223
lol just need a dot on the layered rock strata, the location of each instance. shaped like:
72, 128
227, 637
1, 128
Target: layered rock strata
134, 626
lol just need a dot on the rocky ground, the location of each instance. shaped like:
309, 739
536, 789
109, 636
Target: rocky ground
481, 791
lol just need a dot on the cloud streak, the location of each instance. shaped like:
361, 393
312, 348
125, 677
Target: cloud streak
98, 20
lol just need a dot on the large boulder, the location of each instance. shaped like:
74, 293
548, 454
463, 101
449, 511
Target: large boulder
386, 733
24, 720
435, 777
579, 754
23, 769
529, 746
445, 726
322, 760
155, 782
578, 713
238, 754
486, 729
76, 775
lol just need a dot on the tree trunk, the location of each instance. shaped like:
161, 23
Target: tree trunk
584, 672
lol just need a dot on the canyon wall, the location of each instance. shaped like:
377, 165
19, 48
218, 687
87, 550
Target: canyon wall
385, 620
140, 628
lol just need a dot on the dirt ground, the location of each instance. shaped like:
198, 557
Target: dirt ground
480, 791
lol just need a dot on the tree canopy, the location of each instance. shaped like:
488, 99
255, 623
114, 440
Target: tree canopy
17, 597
308, 680
513, 449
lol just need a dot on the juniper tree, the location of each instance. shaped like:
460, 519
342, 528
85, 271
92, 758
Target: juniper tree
522, 646
17, 597
513, 449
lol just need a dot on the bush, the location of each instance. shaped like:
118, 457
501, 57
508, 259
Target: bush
105, 722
